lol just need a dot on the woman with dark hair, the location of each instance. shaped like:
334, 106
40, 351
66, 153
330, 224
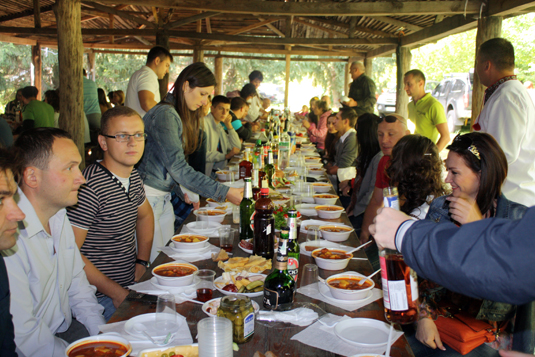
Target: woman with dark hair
317, 132
416, 170
103, 101
118, 98
477, 168
173, 128
330, 139
52, 98
369, 155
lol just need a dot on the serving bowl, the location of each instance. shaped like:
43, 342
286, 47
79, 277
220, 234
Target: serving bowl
188, 241
335, 233
212, 215
225, 175
214, 203
316, 171
331, 264
98, 339
183, 280
329, 211
325, 199
312, 159
321, 187
354, 278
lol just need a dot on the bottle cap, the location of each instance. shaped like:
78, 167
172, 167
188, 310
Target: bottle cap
262, 129
264, 191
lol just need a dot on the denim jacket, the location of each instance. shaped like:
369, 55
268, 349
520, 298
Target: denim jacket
438, 212
164, 165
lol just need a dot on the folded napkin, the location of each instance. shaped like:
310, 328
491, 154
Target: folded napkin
195, 257
323, 337
313, 292
212, 233
180, 293
181, 337
301, 316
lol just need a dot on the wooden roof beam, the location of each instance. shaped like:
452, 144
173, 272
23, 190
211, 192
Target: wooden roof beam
504, 8
396, 22
254, 26
305, 21
189, 20
119, 13
25, 13
346, 26
329, 8
272, 28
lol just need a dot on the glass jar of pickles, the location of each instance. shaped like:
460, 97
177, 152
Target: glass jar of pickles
240, 311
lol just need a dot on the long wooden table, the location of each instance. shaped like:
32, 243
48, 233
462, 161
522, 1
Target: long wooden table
276, 340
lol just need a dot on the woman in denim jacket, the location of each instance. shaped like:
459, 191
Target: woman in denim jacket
173, 134
477, 168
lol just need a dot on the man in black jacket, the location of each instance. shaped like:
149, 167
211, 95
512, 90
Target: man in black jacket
238, 110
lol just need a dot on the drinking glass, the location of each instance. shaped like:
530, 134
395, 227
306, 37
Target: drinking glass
295, 201
226, 238
200, 223
313, 235
236, 214
309, 277
204, 284
166, 318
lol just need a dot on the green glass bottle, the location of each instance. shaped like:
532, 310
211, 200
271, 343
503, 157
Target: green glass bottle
279, 286
293, 246
247, 207
269, 169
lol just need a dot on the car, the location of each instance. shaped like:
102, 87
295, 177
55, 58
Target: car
386, 103
455, 95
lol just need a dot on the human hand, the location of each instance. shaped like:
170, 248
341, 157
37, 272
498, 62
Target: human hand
385, 225
232, 152
306, 123
228, 121
235, 195
196, 205
140, 270
119, 298
352, 103
464, 209
427, 333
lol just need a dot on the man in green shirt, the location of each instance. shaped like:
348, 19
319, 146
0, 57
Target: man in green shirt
36, 114
362, 91
425, 111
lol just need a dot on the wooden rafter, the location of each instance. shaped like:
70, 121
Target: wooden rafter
191, 19
504, 8
346, 26
119, 13
25, 13
254, 26
272, 28
386, 8
306, 22
398, 23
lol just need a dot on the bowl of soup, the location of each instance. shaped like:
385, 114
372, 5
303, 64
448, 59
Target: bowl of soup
99, 346
325, 199
214, 203
335, 233
331, 258
174, 274
329, 211
211, 215
346, 286
225, 175
188, 241
321, 187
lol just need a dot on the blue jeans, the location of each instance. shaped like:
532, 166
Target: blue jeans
109, 308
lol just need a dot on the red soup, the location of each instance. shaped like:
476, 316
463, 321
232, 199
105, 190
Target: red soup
174, 271
99, 349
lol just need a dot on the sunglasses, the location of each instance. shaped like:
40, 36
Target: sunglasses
464, 142
390, 119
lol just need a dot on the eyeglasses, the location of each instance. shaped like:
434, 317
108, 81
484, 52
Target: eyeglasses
464, 142
124, 138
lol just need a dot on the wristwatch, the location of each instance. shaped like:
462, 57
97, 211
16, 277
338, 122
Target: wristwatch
145, 263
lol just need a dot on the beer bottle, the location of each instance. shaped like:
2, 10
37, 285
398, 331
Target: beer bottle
247, 208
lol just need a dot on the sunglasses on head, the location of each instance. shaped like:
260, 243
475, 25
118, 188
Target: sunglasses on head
464, 142
387, 118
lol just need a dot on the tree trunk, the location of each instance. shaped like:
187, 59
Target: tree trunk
70, 58
37, 69
368, 63
347, 77
403, 63
162, 39
287, 81
92, 65
487, 28
218, 69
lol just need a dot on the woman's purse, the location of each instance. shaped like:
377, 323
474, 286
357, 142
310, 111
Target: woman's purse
463, 333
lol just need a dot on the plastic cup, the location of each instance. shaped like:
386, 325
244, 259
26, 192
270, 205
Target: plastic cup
313, 235
215, 337
204, 284
166, 318
236, 214
226, 238
200, 223
309, 277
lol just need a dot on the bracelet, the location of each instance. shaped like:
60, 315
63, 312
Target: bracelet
145, 263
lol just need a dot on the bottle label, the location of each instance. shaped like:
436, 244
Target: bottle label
397, 291
271, 298
391, 201
384, 282
248, 325
267, 229
293, 267
252, 221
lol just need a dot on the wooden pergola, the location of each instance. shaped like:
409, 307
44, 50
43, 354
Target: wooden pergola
329, 30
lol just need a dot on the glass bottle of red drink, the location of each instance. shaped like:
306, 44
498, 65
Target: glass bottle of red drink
263, 226
246, 165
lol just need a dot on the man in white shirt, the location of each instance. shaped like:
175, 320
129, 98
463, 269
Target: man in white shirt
508, 115
143, 90
45, 269
220, 146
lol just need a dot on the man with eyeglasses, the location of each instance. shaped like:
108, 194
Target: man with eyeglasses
112, 211
390, 129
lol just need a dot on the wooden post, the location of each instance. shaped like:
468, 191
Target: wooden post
162, 39
92, 65
487, 28
287, 81
110, 26
198, 54
403, 62
368, 63
36, 14
347, 77
37, 68
218, 69
70, 58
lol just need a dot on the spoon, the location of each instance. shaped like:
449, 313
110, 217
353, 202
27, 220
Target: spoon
141, 328
362, 281
360, 246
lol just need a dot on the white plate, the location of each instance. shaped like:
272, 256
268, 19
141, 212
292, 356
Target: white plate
326, 292
211, 227
172, 289
307, 209
215, 303
220, 280
248, 251
317, 222
148, 320
315, 173
363, 332
191, 251
321, 243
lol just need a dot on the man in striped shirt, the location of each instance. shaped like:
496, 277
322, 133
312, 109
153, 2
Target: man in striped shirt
112, 211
